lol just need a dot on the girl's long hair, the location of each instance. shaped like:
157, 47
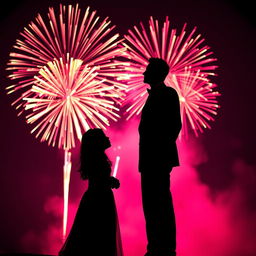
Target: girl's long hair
92, 153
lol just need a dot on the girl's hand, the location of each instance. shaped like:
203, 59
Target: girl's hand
114, 182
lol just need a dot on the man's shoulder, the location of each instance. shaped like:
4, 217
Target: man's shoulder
171, 92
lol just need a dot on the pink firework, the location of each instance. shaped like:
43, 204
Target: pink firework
69, 34
198, 101
184, 53
65, 70
66, 98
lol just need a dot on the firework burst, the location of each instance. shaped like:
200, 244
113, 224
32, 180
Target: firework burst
198, 101
67, 97
69, 34
190, 65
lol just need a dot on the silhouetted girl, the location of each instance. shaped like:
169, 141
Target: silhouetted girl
95, 231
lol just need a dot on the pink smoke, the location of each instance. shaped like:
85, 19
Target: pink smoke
206, 225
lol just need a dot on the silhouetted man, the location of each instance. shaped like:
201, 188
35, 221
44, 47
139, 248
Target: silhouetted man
159, 128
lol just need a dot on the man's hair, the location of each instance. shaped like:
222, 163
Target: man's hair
160, 67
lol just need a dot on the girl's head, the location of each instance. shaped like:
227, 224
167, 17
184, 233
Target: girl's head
95, 140
94, 143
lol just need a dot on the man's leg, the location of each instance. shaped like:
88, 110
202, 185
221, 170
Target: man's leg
159, 214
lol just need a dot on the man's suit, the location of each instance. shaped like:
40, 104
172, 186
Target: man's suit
159, 128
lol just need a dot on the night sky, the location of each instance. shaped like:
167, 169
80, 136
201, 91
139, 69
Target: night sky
220, 162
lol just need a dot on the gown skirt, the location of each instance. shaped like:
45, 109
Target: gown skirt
95, 230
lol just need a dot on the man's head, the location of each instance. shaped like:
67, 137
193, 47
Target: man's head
156, 71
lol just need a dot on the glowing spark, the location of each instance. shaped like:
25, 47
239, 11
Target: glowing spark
116, 166
184, 53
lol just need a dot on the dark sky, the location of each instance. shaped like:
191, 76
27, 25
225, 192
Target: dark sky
229, 29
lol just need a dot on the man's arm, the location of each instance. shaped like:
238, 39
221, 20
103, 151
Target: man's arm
169, 115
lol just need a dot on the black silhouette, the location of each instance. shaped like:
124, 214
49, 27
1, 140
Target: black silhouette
95, 230
159, 128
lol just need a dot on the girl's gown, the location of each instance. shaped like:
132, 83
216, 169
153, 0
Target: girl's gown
95, 231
